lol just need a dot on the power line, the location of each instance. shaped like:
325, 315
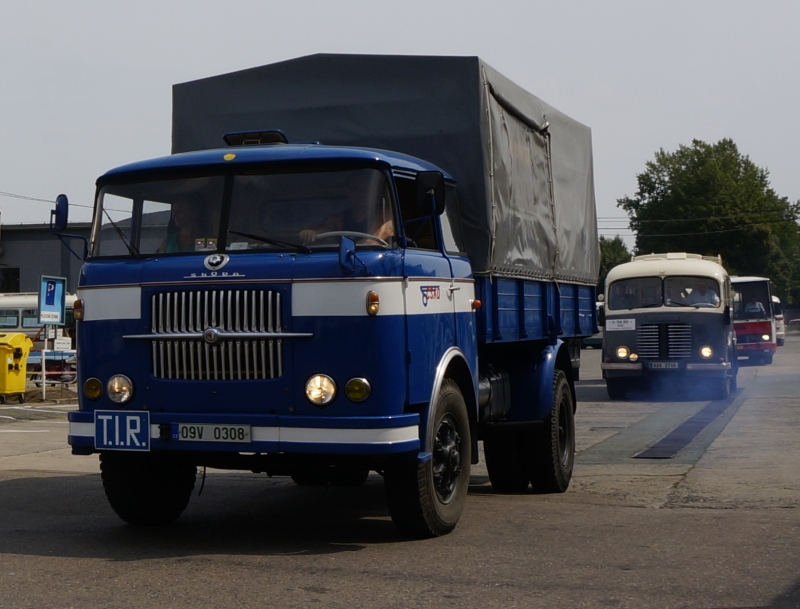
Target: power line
13, 196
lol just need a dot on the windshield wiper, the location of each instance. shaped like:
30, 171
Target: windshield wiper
302, 248
130, 247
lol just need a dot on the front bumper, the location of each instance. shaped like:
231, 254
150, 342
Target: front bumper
619, 369
273, 434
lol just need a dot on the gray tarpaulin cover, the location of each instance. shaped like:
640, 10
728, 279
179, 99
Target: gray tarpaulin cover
524, 169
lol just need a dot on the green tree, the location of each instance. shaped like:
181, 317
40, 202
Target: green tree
612, 252
710, 199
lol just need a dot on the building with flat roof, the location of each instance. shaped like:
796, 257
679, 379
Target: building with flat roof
28, 251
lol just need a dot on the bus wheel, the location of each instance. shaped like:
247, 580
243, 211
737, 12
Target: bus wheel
148, 488
552, 451
722, 388
426, 498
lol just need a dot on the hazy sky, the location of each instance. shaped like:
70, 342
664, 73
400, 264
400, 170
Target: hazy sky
86, 86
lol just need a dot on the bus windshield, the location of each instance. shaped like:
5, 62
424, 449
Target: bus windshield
675, 291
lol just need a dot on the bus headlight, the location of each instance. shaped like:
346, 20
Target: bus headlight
706, 352
765, 337
320, 389
119, 389
634, 357
622, 352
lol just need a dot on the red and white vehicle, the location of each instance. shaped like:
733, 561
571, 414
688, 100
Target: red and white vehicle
753, 319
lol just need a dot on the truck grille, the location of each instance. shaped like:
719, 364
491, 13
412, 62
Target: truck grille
665, 340
234, 311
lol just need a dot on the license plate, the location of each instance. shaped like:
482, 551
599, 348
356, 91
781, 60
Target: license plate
121, 430
187, 432
664, 365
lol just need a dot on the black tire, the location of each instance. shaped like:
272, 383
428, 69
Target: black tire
426, 499
551, 454
21, 398
148, 488
616, 389
348, 475
505, 461
781, 341
722, 388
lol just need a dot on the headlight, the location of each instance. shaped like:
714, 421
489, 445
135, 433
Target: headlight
706, 352
765, 337
93, 389
320, 389
634, 357
358, 389
119, 389
622, 352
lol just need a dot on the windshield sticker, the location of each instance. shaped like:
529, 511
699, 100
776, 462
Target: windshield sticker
620, 324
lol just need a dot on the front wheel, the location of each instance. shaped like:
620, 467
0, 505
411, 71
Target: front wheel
552, 452
426, 498
147, 488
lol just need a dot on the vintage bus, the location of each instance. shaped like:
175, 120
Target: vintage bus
753, 319
667, 317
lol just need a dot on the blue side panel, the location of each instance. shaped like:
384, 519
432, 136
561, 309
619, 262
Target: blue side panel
507, 301
518, 309
587, 311
533, 310
569, 303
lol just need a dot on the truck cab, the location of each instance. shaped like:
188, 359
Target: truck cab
668, 317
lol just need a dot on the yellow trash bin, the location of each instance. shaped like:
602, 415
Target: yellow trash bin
14, 350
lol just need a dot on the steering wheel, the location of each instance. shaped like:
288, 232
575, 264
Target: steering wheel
354, 234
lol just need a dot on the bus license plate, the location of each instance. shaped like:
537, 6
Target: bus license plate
187, 432
664, 365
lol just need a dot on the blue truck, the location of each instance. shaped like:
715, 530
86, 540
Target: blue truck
383, 301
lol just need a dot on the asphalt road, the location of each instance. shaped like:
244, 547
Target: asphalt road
714, 527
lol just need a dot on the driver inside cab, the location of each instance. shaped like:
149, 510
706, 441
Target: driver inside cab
369, 212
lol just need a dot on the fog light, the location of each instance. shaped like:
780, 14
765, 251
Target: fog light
622, 352
119, 389
93, 389
706, 352
358, 389
634, 357
765, 337
320, 389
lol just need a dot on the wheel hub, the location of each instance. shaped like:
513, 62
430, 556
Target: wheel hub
446, 459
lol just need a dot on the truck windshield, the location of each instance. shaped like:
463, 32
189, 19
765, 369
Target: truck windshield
676, 291
282, 211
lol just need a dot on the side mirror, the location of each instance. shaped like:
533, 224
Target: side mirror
430, 184
727, 315
347, 254
601, 316
60, 215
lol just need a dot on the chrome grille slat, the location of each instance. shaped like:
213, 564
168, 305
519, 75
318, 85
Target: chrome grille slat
678, 341
230, 311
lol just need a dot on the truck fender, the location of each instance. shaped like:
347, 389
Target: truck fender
552, 357
453, 365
